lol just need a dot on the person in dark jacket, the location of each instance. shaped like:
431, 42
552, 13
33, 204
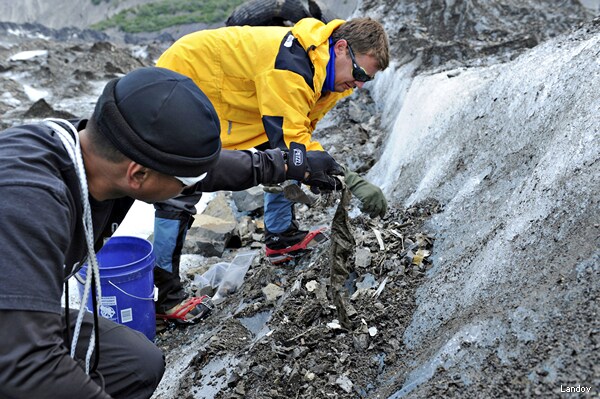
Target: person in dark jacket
64, 187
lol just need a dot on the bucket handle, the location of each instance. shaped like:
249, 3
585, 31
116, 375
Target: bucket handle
154, 296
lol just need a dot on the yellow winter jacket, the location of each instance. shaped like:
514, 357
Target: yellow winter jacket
264, 82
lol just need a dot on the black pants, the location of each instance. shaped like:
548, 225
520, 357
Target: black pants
130, 366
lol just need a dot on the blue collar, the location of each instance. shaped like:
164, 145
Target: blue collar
329, 84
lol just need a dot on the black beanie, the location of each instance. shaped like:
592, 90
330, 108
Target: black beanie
161, 120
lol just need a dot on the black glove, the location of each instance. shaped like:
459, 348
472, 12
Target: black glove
322, 169
319, 165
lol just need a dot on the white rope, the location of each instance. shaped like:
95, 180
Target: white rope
71, 144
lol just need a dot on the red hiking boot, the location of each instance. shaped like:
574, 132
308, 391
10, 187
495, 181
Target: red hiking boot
190, 311
284, 247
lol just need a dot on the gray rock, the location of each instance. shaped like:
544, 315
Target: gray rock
363, 257
272, 292
212, 230
249, 200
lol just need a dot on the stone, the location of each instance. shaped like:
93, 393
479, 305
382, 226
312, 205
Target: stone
212, 230
272, 292
249, 200
363, 257
345, 383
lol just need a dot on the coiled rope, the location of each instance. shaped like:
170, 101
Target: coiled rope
71, 143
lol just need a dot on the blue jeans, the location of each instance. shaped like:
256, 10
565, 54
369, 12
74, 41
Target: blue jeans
278, 213
171, 221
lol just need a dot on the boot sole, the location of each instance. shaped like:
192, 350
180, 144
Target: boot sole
311, 241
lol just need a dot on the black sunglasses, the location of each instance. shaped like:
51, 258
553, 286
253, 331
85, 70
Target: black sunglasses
358, 72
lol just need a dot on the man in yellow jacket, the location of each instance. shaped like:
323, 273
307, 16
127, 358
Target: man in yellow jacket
270, 87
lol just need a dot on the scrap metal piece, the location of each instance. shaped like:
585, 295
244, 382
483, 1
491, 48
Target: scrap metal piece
294, 193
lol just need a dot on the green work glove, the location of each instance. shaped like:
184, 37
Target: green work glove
371, 196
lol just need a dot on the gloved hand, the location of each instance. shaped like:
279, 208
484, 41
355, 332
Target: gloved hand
322, 169
371, 196
314, 168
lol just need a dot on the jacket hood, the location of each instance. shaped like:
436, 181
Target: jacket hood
313, 32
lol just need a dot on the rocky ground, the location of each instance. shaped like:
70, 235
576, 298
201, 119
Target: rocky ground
285, 333
40, 78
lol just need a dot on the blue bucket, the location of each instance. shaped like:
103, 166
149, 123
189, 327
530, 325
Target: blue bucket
126, 277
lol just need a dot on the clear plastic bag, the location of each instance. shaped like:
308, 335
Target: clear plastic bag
226, 278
